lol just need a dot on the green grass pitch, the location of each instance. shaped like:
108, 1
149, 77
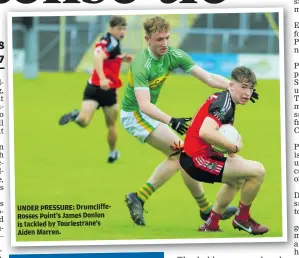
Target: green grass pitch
67, 165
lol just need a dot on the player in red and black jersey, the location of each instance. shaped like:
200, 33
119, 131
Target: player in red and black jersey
101, 89
203, 163
218, 107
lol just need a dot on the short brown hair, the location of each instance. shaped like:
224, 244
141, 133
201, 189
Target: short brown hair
155, 24
117, 21
244, 74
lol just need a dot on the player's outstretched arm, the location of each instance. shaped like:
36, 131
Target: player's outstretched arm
208, 132
213, 80
216, 81
143, 98
180, 125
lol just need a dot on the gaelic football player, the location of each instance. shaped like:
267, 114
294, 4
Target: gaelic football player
204, 164
101, 89
145, 121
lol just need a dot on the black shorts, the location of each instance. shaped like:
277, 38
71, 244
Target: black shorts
105, 98
203, 169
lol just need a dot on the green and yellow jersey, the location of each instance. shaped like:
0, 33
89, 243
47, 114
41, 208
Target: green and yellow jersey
149, 73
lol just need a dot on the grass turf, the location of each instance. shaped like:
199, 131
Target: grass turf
67, 165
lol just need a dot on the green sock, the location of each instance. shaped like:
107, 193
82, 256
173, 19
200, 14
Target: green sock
204, 204
145, 192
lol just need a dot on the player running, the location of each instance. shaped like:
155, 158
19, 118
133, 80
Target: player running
144, 120
101, 89
204, 164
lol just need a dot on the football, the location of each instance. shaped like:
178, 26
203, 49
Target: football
230, 133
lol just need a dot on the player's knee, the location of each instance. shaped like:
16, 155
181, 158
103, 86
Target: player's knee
83, 120
260, 171
111, 127
111, 121
175, 162
174, 157
238, 184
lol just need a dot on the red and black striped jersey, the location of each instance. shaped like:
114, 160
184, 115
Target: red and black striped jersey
219, 107
111, 66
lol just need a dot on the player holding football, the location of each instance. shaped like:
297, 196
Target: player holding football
204, 164
144, 120
101, 89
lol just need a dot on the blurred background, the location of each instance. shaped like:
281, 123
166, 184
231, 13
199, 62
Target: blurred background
217, 42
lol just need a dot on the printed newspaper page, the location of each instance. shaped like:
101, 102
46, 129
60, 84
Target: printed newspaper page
149, 129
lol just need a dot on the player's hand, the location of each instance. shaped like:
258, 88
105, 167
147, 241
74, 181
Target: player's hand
236, 148
105, 83
234, 156
180, 124
126, 57
239, 144
254, 96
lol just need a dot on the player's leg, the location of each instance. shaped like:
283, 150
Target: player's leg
251, 171
89, 104
227, 192
203, 202
82, 117
87, 110
224, 197
161, 138
251, 174
111, 113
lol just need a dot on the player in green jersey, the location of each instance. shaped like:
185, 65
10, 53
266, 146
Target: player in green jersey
144, 120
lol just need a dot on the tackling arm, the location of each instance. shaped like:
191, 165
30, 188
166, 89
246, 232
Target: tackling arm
178, 124
208, 132
213, 80
143, 99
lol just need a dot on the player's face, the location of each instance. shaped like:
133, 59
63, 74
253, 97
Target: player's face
118, 32
241, 92
158, 43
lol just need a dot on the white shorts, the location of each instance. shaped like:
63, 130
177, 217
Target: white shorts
138, 124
